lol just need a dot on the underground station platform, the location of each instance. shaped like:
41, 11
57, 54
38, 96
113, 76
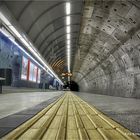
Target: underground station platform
70, 118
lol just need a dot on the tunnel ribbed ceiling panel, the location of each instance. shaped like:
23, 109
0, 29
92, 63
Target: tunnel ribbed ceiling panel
45, 24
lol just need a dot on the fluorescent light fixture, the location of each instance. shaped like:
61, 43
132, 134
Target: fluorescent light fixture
68, 52
4, 19
7, 33
24, 42
68, 29
68, 42
68, 20
29, 46
15, 31
68, 8
68, 36
68, 47
50, 74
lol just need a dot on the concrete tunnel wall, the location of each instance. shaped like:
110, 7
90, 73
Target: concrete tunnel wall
109, 54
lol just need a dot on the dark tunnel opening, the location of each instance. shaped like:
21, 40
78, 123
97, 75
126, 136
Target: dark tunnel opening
72, 85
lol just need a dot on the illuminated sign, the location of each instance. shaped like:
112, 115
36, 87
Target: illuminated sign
24, 71
38, 77
66, 74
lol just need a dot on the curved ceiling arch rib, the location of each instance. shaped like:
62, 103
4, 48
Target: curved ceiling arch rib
50, 23
54, 32
43, 13
60, 47
60, 68
63, 35
63, 42
61, 54
59, 51
51, 60
58, 63
63, 57
59, 44
24, 9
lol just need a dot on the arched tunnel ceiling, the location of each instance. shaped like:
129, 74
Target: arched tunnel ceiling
45, 24
105, 41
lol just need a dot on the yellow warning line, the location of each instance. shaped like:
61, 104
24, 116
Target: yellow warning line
70, 118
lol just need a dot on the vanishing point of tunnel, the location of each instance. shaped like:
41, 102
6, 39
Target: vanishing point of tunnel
70, 69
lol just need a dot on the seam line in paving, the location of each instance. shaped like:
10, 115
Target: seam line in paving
11, 122
70, 118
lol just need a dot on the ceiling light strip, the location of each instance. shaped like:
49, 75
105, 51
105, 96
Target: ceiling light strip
68, 31
28, 44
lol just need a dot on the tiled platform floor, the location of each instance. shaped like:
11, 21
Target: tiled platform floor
126, 111
11, 103
70, 118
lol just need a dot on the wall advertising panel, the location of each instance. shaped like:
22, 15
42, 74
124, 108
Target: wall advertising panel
39, 74
35, 73
24, 71
31, 72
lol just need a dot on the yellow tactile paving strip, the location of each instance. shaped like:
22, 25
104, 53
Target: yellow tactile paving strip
70, 118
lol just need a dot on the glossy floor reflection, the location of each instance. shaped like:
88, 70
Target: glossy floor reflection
14, 102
